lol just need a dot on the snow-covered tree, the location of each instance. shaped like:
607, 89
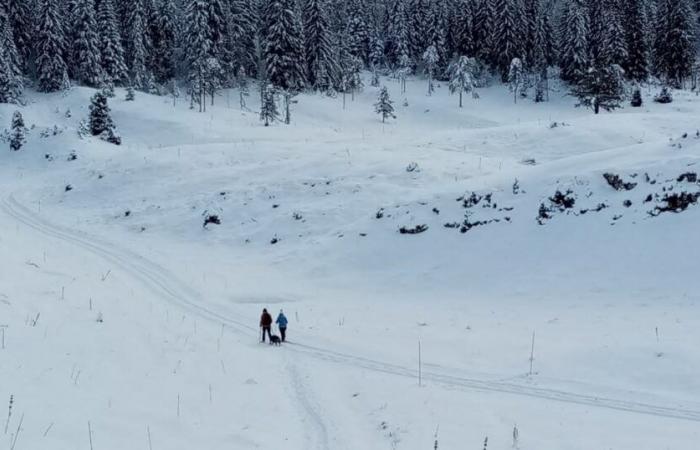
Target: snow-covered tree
243, 34
110, 44
636, 64
384, 105
516, 77
675, 41
86, 53
284, 46
613, 45
397, 43
11, 84
197, 52
20, 14
574, 52
268, 108
321, 68
430, 61
601, 88
243, 89
100, 120
50, 65
464, 30
483, 29
164, 41
18, 132
507, 35
357, 31
135, 39
461, 73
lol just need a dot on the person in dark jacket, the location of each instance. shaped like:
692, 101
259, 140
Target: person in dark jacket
282, 324
266, 324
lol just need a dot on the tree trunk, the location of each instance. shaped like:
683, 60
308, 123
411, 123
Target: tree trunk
460, 97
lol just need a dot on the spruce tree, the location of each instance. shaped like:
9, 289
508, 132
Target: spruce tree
18, 132
464, 29
20, 15
197, 52
100, 123
10, 84
461, 74
284, 46
163, 41
430, 62
636, 64
507, 36
397, 34
50, 65
86, 54
135, 38
7, 43
613, 48
243, 34
268, 108
574, 52
483, 30
419, 13
384, 105
675, 41
600, 88
357, 32
110, 44
321, 67
516, 77
437, 34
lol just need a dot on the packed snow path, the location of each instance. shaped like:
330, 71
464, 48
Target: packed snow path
170, 288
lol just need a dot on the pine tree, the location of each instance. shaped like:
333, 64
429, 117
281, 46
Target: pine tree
110, 44
321, 66
464, 29
20, 15
357, 31
574, 53
397, 34
197, 52
675, 41
243, 33
284, 46
135, 38
419, 26
636, 64
220, 60
86, 54
268, 108
507, 36
50, 65
18, 132
10, 84
7, 43
613, 44
601, 88
437, 34
516, 77
163, 41
483, 29
384, 105
461, 74
130, 94
100, 120
430, 61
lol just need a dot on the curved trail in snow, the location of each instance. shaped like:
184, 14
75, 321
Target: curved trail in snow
169, 287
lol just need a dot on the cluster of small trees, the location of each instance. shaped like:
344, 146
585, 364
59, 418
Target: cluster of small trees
322, 45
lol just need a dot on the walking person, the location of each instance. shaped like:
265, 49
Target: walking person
266, 324
282, 324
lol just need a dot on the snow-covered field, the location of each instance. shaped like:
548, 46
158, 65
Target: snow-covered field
127, 322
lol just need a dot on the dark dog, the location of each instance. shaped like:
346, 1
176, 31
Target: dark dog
275, 340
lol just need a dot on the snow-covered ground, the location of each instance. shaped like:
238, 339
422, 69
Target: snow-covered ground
123, 315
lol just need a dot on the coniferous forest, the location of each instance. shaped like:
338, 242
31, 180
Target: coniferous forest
596, 46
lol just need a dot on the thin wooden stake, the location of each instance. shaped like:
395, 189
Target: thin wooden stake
90, 434
19, 428
532, 352
420, 365
148, 430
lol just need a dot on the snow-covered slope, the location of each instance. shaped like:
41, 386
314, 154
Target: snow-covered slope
310, 218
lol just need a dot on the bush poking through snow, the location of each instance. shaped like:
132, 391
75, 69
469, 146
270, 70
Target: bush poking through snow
676, 203
664, 97
690, 177
637, 101
412, 167
617, 183
211, 219
418, 229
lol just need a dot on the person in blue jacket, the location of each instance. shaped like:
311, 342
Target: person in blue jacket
282, 324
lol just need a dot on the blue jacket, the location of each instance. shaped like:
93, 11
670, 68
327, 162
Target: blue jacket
282, 321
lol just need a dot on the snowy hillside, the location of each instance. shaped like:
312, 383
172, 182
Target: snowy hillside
126, 321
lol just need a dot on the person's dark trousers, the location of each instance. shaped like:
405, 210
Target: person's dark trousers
283, 332
266, 330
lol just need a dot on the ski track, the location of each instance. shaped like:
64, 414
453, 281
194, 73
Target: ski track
166, 285
311, 413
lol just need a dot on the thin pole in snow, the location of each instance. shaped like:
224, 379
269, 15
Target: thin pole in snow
90, 434
532, 352
420, 366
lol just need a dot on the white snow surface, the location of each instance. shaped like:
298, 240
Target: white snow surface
175, 363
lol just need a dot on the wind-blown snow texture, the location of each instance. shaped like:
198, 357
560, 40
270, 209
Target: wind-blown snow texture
119, 309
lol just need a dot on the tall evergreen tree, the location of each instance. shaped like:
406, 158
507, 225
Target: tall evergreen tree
164, 42
50, 65
574, 52
613, 49
135, 38
197, 51
110, 44
243, 34
397, 44
464, 29
437, 34
284, 46
384, 105
20, 15
86, 53
675, 41
636, 64
483, 29
507, 36
321, 66
357, 31
10, 83
419, 13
